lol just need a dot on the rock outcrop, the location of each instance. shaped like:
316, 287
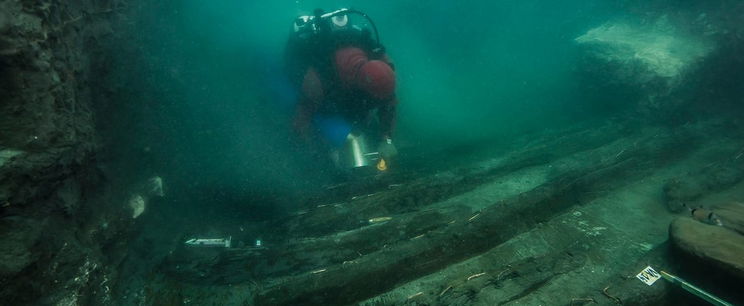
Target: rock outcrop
53, 224
653, 58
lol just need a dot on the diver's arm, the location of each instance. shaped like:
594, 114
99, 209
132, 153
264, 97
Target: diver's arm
311, 97
303, 119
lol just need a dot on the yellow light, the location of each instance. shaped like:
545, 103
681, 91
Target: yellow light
381, 165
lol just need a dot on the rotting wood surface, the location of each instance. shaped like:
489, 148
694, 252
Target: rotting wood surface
382, 270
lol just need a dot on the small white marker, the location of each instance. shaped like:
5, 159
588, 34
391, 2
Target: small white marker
648, 276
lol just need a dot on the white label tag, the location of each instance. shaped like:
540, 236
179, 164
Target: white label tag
649, 276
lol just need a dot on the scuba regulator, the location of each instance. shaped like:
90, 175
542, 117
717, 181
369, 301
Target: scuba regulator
320, 23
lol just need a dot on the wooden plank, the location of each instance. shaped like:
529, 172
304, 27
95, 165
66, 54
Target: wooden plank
382, 270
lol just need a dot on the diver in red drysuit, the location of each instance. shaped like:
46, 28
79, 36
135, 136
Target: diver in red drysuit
340, 69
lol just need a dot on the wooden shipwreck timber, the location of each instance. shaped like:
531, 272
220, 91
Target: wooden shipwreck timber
449, 238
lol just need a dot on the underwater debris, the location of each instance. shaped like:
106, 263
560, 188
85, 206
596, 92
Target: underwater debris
582, 301
508, 269
156, 186
210, 242
612, 297
363, 196
474, 276
137, 204
445, 290
705, 216
380, 219
138, 200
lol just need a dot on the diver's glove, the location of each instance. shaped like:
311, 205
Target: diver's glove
387, 149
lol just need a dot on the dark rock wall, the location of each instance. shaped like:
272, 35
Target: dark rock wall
54, 220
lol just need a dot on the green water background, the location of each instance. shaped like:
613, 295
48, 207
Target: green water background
202, 99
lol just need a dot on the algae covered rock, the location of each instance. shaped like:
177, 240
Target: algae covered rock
653, 51
651, 58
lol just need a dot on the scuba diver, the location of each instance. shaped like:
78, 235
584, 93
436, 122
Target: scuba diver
347, 88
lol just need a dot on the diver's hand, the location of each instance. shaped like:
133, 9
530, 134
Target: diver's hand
387, 149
